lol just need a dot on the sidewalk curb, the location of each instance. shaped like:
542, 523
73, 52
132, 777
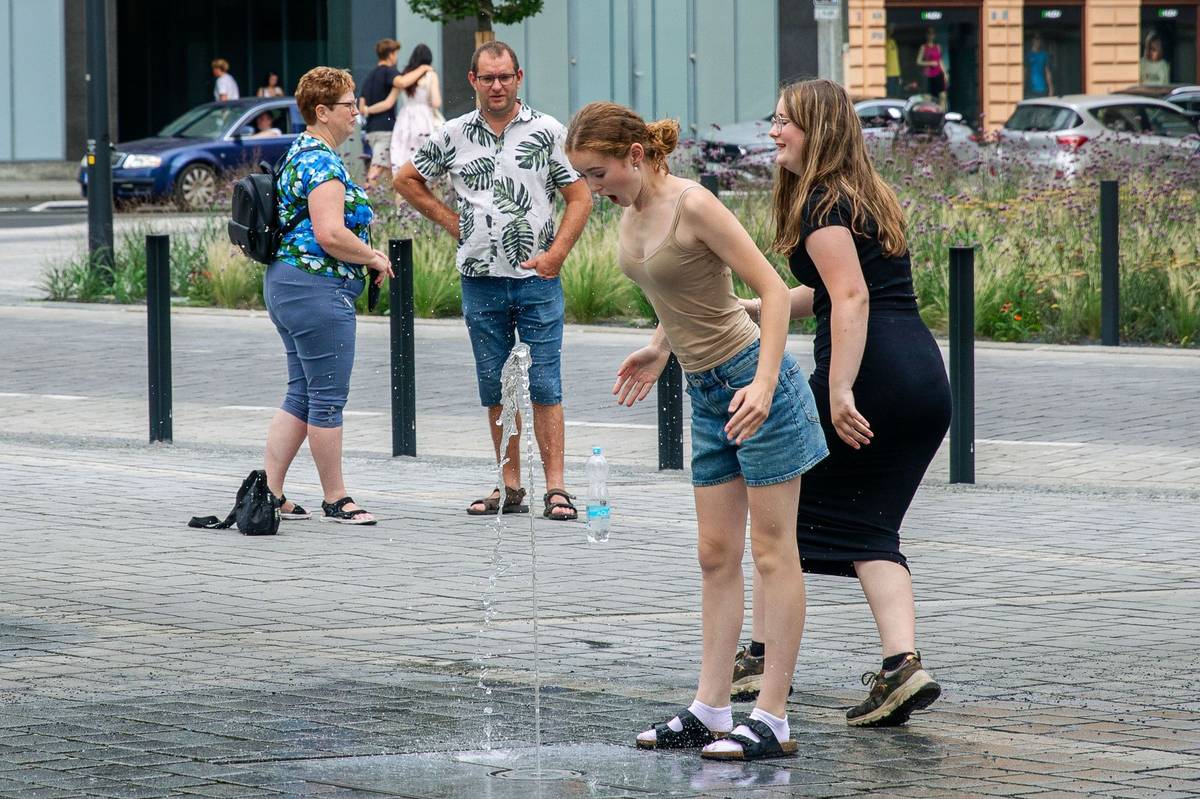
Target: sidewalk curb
641, 332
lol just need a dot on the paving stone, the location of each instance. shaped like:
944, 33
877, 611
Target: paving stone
139, 657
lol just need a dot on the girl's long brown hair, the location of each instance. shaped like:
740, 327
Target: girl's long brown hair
833, 160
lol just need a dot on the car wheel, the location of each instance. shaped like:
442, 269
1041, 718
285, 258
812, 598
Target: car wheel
196, 187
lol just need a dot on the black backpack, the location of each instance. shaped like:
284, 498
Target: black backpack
256, 511
254, 218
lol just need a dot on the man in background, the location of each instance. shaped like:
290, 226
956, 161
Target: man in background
375, 87
226, 87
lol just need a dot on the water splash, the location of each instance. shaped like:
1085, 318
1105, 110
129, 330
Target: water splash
515, 404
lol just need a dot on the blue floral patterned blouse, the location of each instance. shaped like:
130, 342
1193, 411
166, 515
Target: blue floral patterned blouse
301, 174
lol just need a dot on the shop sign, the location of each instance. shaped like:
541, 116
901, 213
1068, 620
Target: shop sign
931, 16
825, 9
1168, 13
1051, 13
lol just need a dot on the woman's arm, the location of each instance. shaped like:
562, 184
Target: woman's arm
326, 208
801, 304
832, 250
705, 219
435, 90
381, 107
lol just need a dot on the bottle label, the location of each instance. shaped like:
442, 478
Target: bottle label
597, 511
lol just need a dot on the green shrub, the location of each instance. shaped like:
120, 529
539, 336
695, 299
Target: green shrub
234, 280
1036, 242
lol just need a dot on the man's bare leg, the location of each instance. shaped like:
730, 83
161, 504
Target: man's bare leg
512, 469
550, 431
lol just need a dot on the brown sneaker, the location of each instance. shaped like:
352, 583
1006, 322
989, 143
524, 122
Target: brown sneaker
895, 696
748, 676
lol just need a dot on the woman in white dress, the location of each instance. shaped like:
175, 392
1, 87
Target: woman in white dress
420, 116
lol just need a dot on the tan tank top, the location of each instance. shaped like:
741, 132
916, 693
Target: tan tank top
692, 293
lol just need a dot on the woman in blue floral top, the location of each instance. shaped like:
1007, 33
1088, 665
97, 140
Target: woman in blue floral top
310, 289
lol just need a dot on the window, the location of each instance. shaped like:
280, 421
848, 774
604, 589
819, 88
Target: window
1188, 102
1121, 118
204, 122
877, 116
1165, 122
1033, 118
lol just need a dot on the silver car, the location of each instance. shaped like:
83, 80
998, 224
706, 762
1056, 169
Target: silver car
1079, 135
746, 147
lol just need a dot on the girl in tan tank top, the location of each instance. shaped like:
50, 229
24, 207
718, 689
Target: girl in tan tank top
679, 243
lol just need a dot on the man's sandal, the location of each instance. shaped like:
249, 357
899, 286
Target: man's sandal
768, 745
694, 734
297, 513
514, 502
550, 507
335, 512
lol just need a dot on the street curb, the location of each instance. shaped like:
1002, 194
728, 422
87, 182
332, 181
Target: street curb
640, 332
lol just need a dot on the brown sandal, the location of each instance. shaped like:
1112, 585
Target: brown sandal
548, 511
514, 499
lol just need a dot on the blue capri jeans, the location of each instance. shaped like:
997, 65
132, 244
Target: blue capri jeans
496, 309
314, 315
789, 442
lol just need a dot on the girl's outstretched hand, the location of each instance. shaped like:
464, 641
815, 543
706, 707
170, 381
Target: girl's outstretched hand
638, 374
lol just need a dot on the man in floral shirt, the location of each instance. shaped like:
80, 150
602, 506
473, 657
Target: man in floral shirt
506, 163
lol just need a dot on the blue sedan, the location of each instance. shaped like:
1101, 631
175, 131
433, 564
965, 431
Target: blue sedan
184, 161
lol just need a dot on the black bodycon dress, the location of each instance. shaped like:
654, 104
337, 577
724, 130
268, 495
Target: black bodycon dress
852, 503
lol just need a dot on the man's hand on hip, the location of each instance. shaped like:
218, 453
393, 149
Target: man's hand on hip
546, 264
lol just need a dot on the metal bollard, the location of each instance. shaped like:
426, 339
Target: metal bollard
158, 329
709, 181
404, 378
670, 416
1110, 264
962, 364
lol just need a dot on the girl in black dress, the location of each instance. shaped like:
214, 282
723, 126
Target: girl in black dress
879, 382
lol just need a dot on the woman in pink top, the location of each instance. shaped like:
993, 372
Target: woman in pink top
929, 58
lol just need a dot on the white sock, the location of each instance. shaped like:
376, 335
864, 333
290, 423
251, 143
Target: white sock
719, 719
779, 726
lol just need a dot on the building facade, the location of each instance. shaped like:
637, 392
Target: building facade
702, 62
998, 52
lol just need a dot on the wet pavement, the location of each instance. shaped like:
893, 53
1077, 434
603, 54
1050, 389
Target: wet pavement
1057, 598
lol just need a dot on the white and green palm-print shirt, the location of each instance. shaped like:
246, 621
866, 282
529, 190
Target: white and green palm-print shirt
505, 184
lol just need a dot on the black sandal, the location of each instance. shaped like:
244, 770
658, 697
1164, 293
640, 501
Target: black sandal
768, 746
548, 511
334, 512
297, 513
514, 502
693, 734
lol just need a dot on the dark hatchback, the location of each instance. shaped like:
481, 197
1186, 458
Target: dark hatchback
182, 163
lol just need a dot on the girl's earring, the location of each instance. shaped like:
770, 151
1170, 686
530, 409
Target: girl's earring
635, 168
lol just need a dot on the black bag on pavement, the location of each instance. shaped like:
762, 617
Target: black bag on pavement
254, 215
256, 511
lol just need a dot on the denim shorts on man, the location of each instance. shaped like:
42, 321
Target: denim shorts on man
314, 315
497, 309
789, 442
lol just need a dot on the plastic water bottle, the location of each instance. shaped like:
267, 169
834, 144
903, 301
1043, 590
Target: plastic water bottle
597, 498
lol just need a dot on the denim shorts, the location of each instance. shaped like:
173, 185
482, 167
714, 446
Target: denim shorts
789, 442
496, 309
314, 315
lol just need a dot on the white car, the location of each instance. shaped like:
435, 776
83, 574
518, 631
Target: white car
1079, 134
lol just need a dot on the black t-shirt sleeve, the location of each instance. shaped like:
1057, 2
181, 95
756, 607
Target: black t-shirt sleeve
837, 216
